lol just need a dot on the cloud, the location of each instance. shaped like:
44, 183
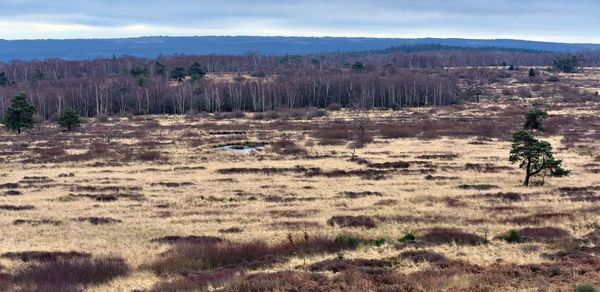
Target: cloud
551, 20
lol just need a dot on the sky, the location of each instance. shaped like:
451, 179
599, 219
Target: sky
542, 20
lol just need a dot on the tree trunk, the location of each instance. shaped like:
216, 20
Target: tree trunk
527, 177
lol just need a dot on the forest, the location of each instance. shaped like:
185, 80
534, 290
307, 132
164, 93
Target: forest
407, 76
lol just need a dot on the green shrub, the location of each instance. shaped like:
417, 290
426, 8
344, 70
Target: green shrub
348, 240
409, 236
379, 241
585, 288
512, 236
354, 242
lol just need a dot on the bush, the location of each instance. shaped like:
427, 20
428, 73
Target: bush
508, 92
102, 118
348, 240
393, 132
208, 255
524, 93
288, 147
73, 271
553, 78
452, 235
419, 256
512, 236
408, 236
585, 288
229, 115
149, 156
354, 242
544, 234
352, 221
334, 106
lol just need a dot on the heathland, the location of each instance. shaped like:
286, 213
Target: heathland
348, 191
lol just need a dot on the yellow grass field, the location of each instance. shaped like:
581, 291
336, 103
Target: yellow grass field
145, 178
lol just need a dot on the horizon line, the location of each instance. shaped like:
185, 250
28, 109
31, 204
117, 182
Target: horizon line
299, 36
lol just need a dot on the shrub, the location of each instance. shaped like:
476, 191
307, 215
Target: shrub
74, 271
288, 147
525, 93
149, 156
352, 221
354, 242
553, 78
69, 119
16, 208
508, 92
334, 106
408, 236
419, 256
102, 118
482, 187
348, 240
452, 235
185, 257
512, 236
44, 256
544, 233
394, 132
188, 239
585, 288
338, 265
317, 113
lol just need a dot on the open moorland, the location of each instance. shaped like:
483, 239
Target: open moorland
290, 200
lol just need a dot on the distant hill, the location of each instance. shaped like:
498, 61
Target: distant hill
82, 49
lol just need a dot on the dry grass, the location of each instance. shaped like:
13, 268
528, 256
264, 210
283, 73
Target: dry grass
158, 191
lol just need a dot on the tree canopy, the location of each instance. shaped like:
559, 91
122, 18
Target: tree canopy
178, 74
69, 118
3, 79
196, 71
534, 156
566, 64
534, 119
19, 114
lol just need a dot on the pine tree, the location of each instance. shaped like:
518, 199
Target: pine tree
534, 119
196, 71
534, 156
19, 114
69, 119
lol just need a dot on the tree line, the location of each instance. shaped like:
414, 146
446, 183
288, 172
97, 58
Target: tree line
179, 84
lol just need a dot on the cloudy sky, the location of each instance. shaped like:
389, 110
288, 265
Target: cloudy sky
545, 20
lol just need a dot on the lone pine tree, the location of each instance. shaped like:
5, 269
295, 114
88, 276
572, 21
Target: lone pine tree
69, 119
19, 114
534, 156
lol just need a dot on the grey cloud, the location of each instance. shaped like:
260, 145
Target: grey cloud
490, 18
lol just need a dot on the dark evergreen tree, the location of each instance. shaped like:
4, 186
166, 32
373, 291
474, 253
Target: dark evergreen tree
358, 66
139, 71
534, 156
38, 75
69, 119
196, 71
3, 79
178, 74
160, 69
566, 64
19, 114
534, 119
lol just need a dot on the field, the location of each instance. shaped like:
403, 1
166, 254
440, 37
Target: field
156, 203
